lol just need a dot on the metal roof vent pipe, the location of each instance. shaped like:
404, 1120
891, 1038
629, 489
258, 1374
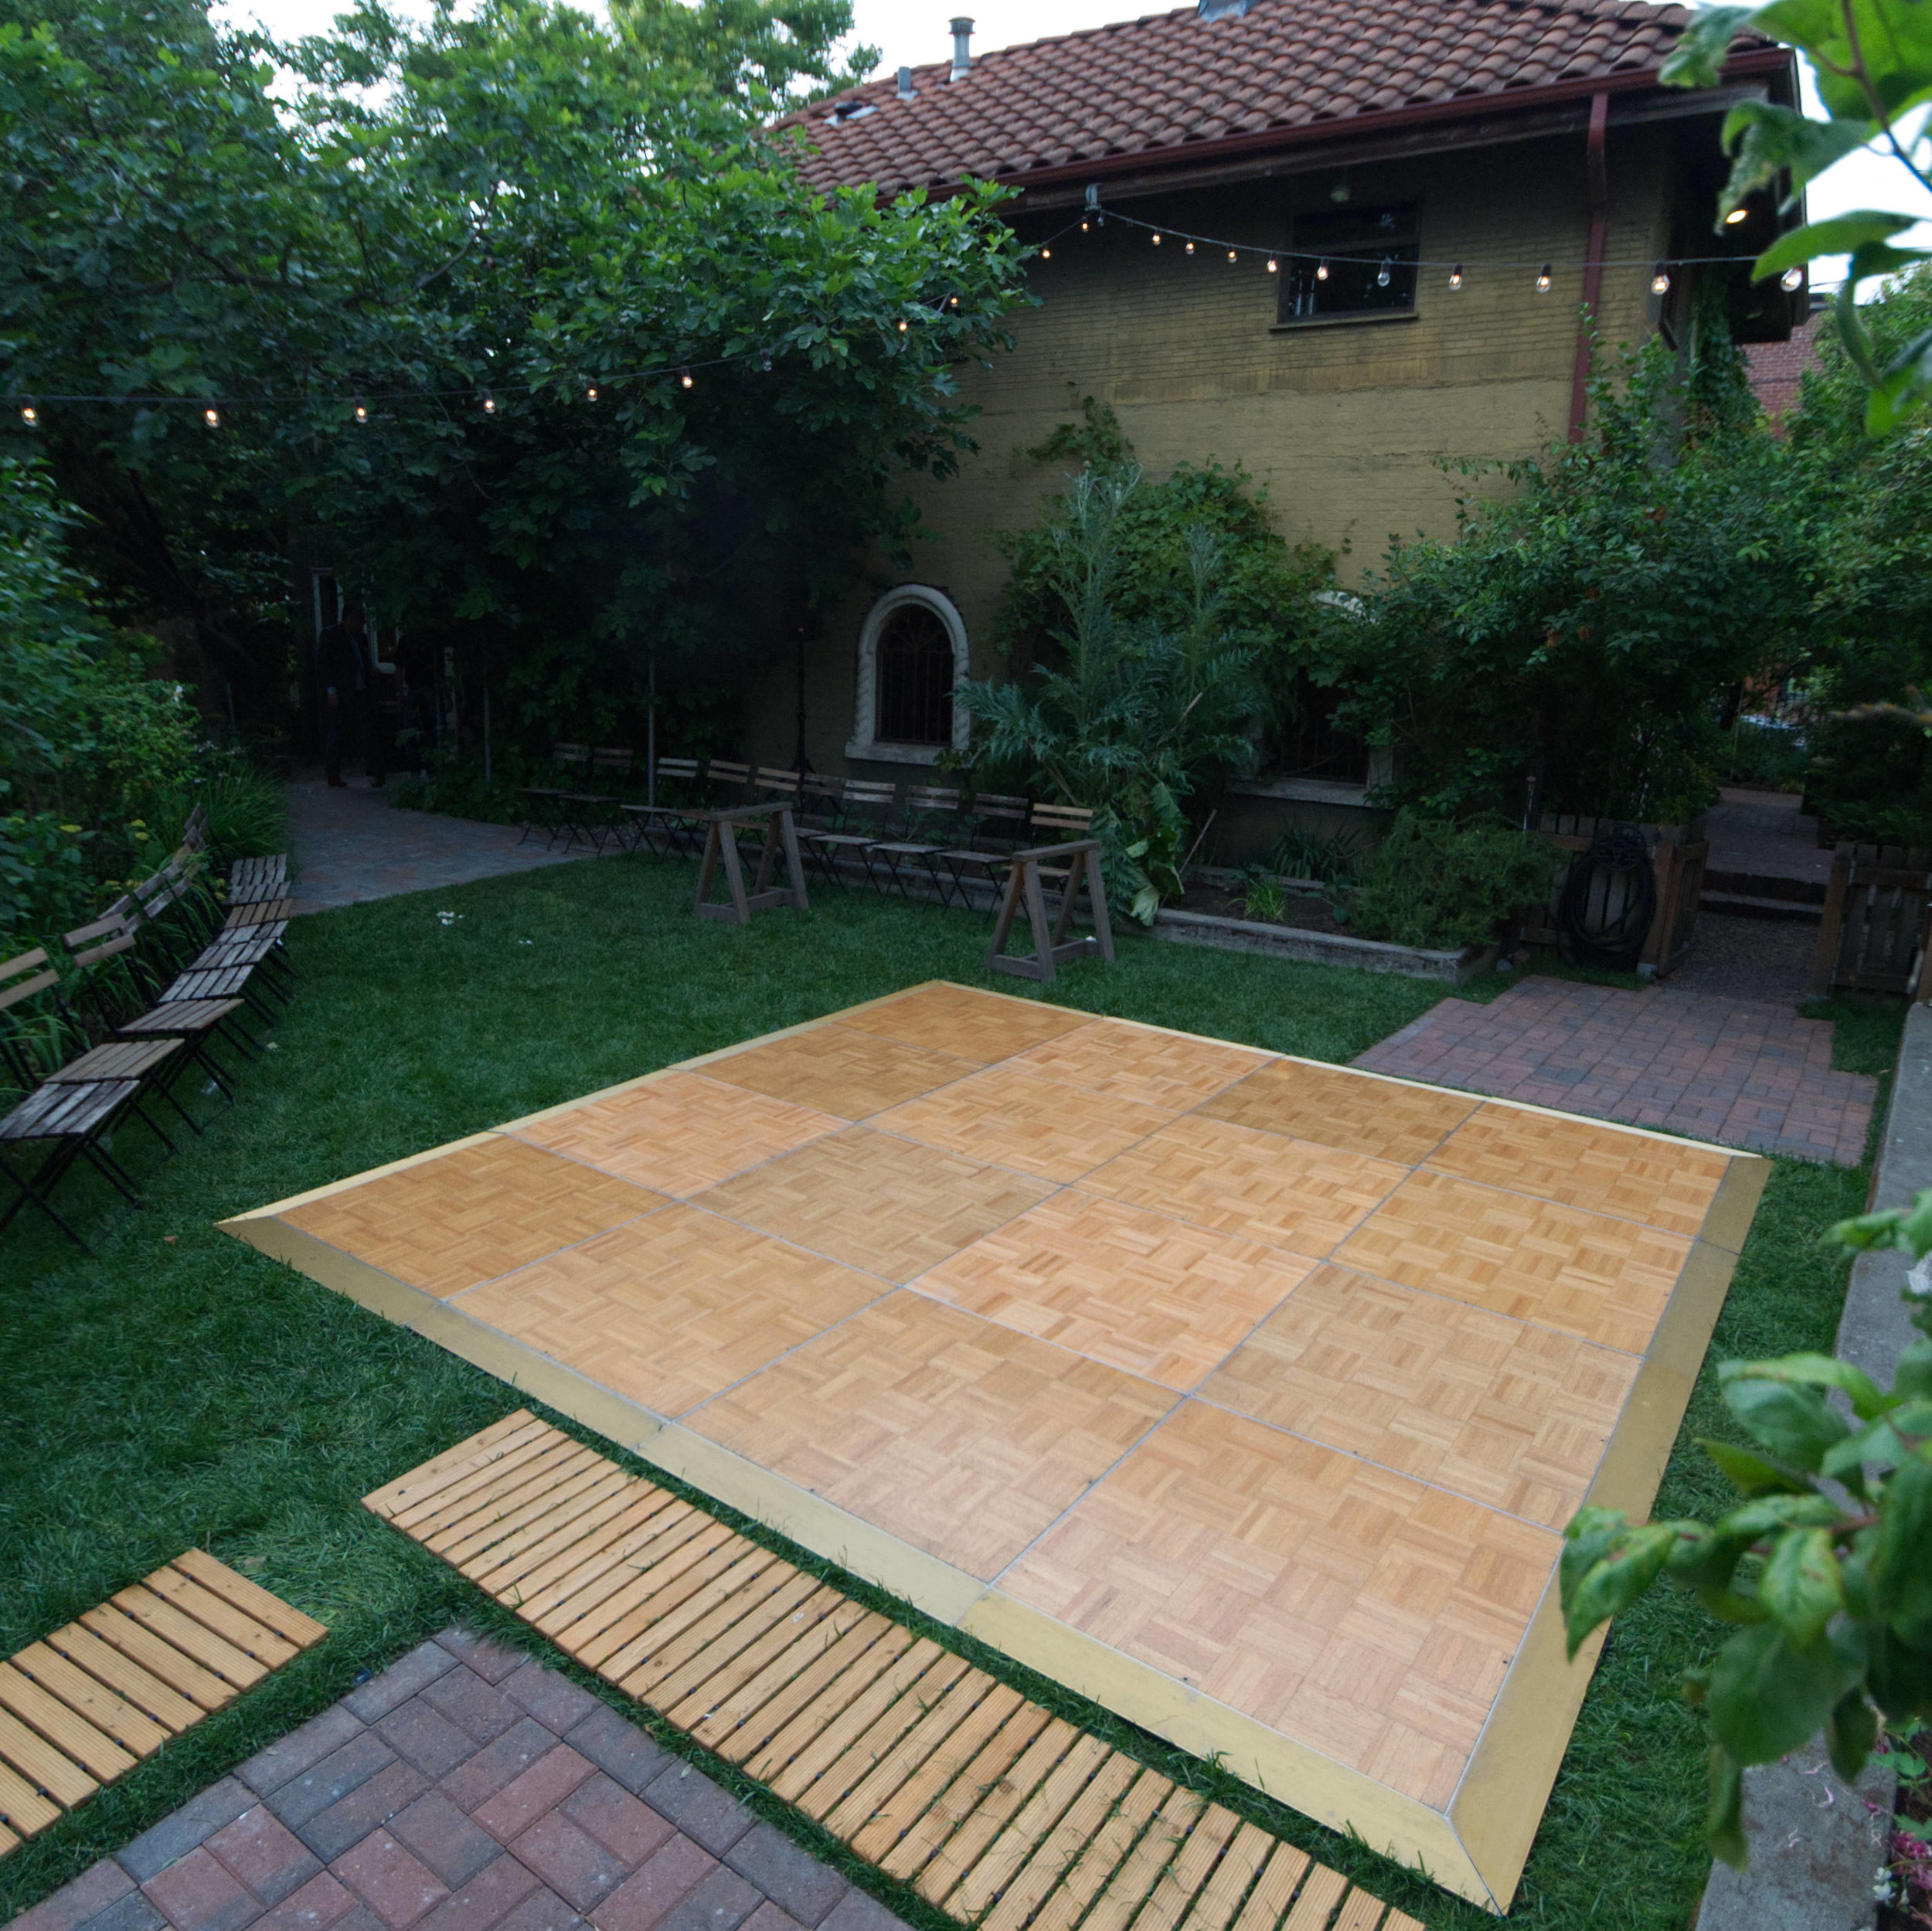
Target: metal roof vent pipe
907, 90
962, 50
1222, 9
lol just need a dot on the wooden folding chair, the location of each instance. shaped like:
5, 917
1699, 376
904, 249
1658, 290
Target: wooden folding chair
726, 783
664, 827
819, 800
543, 802
931, 811
865, 806
252, 881
998, 828
74, 1120
592, 815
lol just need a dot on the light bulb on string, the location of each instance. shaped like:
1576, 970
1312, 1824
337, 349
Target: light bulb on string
955, 301
684, 378
1275, 267
1082, 227
1322, 271
590, 394
1455, 276
902, 326
1660, 282
1230, 254
29, 415
212, 417
1046, 254
1190, 248
1156, 240
362, 412
1736, 215
1381, 280
1791, 280
489, 404
1543, 280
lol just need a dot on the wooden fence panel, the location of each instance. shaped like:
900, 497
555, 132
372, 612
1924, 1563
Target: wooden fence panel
1877, 921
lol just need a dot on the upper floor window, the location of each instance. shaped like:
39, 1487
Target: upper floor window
1351, 261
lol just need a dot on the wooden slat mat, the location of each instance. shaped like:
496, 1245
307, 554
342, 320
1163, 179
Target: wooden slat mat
1002, 1814
81, 1706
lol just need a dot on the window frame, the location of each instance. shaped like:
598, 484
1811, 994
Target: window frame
865, 743
1354, 318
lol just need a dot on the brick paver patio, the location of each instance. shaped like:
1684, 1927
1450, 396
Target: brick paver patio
1741, 1073
467, 1788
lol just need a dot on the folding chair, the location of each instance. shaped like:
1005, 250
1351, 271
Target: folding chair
544, 801
864, 808
819, 798
250, 881
726, 783
192, 1021
999, 829
75, 1119
255, 945
772, 783
593, 814
664, 828
931, 811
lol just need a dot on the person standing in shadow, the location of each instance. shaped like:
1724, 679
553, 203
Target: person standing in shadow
347, 677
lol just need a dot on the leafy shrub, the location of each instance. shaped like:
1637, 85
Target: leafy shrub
247, 811
1336, 861
1441, 885
1262, 898
1772, 756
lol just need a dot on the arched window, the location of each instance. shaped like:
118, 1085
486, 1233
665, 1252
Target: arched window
912, 657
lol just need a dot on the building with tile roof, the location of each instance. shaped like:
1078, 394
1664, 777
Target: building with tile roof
1342, 242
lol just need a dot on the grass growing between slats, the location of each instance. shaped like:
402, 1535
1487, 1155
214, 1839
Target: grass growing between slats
181, 1388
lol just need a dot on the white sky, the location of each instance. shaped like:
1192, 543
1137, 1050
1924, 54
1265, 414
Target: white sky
913, 32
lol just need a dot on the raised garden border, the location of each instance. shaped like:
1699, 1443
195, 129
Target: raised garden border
1454, 968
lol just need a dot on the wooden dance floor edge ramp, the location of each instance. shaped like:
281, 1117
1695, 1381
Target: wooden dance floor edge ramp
1475, 1845
992, 1809
81, 1706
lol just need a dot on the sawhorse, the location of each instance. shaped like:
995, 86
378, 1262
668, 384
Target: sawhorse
1052, 949
721, 841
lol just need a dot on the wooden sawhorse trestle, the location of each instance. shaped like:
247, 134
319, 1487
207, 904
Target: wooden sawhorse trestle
721, 841
1052, 949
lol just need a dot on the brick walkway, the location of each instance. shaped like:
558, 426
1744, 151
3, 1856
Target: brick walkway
1741, 1073
351, 844
467, 1788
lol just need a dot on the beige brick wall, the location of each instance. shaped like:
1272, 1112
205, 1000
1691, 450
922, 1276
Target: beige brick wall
1347, 425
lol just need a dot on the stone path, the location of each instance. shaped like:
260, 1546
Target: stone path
467, 1788
1743, 1073
350, 845
1763, 833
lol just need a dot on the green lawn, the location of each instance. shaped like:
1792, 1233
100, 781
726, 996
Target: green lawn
180, 1387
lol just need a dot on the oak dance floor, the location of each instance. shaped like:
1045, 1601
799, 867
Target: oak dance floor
1245, 1395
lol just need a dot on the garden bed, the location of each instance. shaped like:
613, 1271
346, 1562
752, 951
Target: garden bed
1332, 946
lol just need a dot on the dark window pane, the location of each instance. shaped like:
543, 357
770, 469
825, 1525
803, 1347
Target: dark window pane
1370, 255
1312, 747
914, 678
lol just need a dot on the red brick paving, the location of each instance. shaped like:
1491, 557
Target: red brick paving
465, 1789
1731, 1071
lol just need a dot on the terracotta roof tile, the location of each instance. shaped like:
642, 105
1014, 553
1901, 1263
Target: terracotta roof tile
1169, 80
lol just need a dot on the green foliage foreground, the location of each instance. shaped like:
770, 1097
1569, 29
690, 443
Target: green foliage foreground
181, 1388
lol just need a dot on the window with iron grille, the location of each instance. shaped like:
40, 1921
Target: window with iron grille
913, 676
1351, 261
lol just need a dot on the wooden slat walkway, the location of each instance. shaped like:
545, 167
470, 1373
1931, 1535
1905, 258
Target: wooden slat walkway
82, 1706
999, 1813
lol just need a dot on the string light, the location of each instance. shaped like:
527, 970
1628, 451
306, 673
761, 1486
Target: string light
1157, 239
902, 326
684, 378
1455, 276
1736, 215
590, 394
1322, 271
212, 417
361, 413
1660, 282
1046, 254
489, 404
1381, 280
1791, 280
1190, 248
29, 415
1275, 267
1543, 280
1230, 254
1082, 227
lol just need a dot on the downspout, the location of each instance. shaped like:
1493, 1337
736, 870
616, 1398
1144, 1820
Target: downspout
1599, 180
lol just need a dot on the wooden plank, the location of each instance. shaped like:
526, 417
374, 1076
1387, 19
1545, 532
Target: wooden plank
1825, 963
185, 1633
1051, 1856
490, 1502
1026, 1791
732, 1654
1222, 1896
113, 1715
518, 1462
253, 1639
952, 1712
1359, 1913
1152, 1865
998, 1775
655, 1589
1175, 1890
582, 1540
511, 1524
45, 1768
1284, 1870
622, 1587
1105, 1851
8, 1840
818, 1736
476, 1452
160, 1658
587, 1578
617, 1650
820, 1774
251, 1598
1090, 1775
1401, 1921
125, 1676
741, 1731
737, 1618
778, 1655
23, 1809
891, 1817
505, 1569
73, 1735
1319, 1896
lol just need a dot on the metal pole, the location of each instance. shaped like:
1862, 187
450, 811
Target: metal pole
651, 737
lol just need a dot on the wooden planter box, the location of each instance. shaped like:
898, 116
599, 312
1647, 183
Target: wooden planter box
1322, 948
1877, 921
1678, 852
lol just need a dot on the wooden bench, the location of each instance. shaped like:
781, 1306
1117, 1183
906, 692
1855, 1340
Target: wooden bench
1052, 949
721, 842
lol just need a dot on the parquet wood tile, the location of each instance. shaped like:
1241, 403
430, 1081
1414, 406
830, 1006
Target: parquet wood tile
680, 1134
874, 1200
1379, 1117
445, 1224
1015, 1118
960, 1436
1355, 1608
837, 1069
1141, 1292
1513, 1416
961, 1020
1292, 1193
1664, 1183
669, 1310
1124, 1061
1581, 1274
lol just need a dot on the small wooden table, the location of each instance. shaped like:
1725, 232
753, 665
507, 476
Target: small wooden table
721, 841
1054, 949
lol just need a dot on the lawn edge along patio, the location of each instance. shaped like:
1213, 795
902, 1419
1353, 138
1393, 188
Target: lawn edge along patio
1475, 1846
